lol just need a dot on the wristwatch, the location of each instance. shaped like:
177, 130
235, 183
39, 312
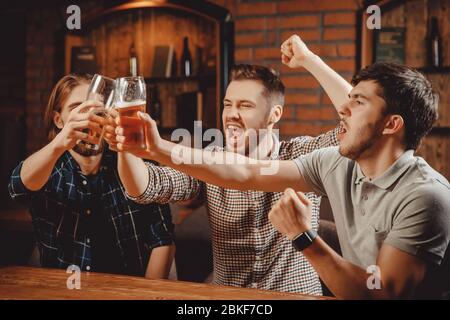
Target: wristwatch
304, 240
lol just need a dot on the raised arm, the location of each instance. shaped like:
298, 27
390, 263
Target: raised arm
37, 168
224, 169
145, 182
133, 173
132, 170
295, 54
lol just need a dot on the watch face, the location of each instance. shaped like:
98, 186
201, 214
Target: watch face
304, 240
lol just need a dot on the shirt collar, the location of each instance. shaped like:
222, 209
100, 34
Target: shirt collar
108, 160
391, 175
70, 161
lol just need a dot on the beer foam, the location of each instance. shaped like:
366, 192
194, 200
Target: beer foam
127, 104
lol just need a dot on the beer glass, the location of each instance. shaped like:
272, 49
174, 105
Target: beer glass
131, 98
101, 89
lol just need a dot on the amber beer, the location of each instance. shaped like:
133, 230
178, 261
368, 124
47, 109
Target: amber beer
101, 112
130, 98
101, 89
130, 121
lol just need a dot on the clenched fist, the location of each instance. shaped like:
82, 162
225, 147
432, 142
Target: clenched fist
291, 215
294, 52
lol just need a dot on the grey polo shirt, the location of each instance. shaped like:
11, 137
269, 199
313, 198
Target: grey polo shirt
408, 207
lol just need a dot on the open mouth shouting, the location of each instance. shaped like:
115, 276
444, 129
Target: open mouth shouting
342, 130
234, 133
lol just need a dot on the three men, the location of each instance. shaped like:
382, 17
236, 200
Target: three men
392, 210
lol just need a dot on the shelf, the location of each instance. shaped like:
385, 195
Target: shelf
440, 130
434, 69
206, 77
207, 25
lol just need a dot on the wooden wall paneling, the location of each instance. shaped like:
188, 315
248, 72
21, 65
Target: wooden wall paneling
113, 35
147, 29
394, 17
139, 38
441, 10
168, 28
435, 149
441, 84
97, 39
71, 41
416, 30
445, 17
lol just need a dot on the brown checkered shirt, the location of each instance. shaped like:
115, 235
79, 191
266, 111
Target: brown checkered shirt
247, 250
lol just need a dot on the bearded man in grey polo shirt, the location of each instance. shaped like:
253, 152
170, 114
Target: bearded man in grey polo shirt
392, 210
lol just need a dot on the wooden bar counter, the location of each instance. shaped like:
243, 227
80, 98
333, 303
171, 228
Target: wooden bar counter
43, 284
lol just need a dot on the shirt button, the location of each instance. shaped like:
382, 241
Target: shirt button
84, 182
88, 211
363, 212
88, 240
88, 268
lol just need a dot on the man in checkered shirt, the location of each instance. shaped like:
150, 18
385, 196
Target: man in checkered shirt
79, 209
247, 250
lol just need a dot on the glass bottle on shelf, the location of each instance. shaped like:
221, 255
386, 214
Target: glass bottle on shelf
434, 45
186, 59
133, 61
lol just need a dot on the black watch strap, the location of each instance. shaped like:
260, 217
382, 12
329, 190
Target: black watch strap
304, 240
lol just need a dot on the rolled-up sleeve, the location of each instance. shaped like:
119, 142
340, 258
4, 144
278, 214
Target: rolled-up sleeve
161, 231
168, 185
17, 189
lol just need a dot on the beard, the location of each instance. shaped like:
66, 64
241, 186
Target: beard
367, 136
236, 140
84, 151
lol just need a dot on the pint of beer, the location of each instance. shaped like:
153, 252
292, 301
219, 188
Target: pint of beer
131, 98
129, 119
100, 89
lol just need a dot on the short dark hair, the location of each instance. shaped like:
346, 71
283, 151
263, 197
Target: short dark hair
274, 87
407, 93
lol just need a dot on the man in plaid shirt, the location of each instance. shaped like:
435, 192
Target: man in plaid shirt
247, 250
79, 209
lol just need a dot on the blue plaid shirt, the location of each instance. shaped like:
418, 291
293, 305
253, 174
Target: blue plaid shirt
63, 214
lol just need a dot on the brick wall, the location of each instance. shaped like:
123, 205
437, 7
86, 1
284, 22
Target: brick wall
327, 27
40, 71
43, 63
